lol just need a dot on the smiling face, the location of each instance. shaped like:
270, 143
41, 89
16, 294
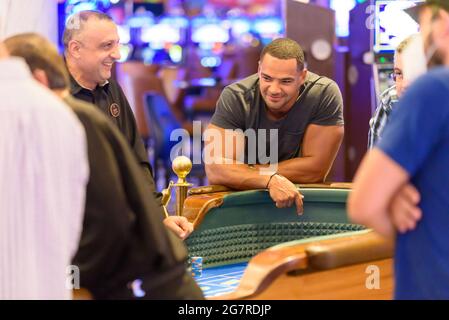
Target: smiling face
96, 50
279, 81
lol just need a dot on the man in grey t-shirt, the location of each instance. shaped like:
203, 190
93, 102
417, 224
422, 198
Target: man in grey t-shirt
306, 113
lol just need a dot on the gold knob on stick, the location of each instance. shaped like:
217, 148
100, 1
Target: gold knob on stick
181, 167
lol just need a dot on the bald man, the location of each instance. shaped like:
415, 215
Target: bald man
125, 251
91, 47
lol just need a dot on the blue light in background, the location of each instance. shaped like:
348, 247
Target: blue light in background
84, 6
175, 53
141, 20
210, 33
148, 55
159, 34
210, 62
124, 34
176, 21
240, 26
342, 8
268, 26
74, 6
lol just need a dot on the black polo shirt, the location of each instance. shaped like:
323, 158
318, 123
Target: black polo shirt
112, 101
122, 238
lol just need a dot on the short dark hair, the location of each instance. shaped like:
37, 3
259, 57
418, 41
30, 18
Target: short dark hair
285, 48
75, 23
39, 53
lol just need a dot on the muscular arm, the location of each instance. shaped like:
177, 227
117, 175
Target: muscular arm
224, 165
224, 161
319, 149
377, 182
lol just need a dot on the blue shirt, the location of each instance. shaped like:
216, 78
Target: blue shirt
417, 138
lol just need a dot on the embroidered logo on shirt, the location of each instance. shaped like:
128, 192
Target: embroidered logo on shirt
114, 109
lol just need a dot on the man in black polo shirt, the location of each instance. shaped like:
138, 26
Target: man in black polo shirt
124, 250
91, 48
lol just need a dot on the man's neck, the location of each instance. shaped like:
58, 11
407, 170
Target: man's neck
274, 116
78, 76
61, 93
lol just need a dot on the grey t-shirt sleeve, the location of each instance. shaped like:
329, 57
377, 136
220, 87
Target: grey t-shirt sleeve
330, 108
229, 112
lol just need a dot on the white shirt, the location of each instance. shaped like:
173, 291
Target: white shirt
43, 176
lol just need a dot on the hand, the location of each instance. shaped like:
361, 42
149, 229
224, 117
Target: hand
404, 210
179, 225
284, 193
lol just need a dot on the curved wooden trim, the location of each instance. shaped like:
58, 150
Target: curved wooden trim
265, 267
203, 199
366, 247
218, 188
326, 185
196, 207
208, 189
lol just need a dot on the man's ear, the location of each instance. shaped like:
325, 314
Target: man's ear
41, 77
303, 75
73, 48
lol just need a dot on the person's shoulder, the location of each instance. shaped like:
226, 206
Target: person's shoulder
74, 86
86, 111
319, 80
95, 122
388, 96
43, 104
321, 87
43, 100
433, 83
115, 86
80, 106
115, 91
113, 82
245, 85
240, 93
438, 75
